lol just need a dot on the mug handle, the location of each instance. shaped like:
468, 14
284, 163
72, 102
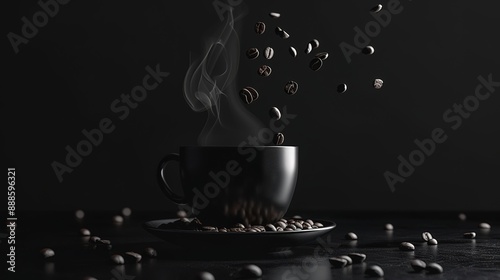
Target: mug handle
165, 188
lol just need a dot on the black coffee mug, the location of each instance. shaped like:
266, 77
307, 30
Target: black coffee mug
227, 185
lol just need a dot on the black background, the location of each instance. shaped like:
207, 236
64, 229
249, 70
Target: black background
429, 56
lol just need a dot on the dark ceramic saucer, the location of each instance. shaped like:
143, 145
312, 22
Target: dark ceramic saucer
249, 241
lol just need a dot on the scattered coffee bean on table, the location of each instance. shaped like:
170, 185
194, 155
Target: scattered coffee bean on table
347, 258
374, 271
205, 276
322, 55
341, 88
376, 9
268, 53
406, 246
484, 226
47, 253
426, 236
462, 216
357, 257
389, 227
337, 262
79, 214
308, 49
249, 271
470, 235
314, 43
378, 83
126, 212
434, 268
132, 257
279, 138
264, 70
315, 64
291, 87
282, 33
252, 53
432, 242
368, 50
117, 219
253, 92
418, 265
246, 96
117, 259
274, 15
260, 27
85, 232
292, 51
275, 113
351, 236
150, 252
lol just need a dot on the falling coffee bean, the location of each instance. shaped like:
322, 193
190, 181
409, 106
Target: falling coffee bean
374, 271
126, 212
376, 9
351, 236
341, 88
117, 259
275, 113
418, 265
426, 236
249, 271
406, 246
322, 55
314, 43
279, 138
368, 50
85, 232
260, 27
308, 48
252, 53
389, 227
291, 87
47, 253
79, 214
462, 217
253, 92
357, 257
347, 258
117, 219
484, 226
470, 235
181, 214
205, 276
246, 96
378, 83
274, 15
337, 262
315, 64
268, 53
432, 242
150, 252
132, 257
434, 268
264, 71
292, 51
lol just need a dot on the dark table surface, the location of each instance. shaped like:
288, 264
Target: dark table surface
461, 258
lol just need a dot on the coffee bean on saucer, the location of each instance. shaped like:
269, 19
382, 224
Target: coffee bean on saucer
347, 258
252, 53
260, 27
279, 138
298, 225
275, 113
314, 43
94, 239
132, 257
484, 226
418, 265
337, 262
246, 96
288, 229
434, 268
322, 55
205, 276
351, 236
306, 226
279, 229
357, 257
462, 217
150, 252
280, 224
319, 225
291, 226
292, 51
268, 53
264, 71
432, 242
470, 235
117, 259
374, 271
126, 212
248, 271
117, 219
341, 88
291, 87
47, 253
274, 15
376, 9
309, 221
270, 227
389, 227
378, 83
85, 232
283, 220
406, 246
315, 64
79, 214
426, 236
223, 230
208, 228
238, 225
368, 50
308, 49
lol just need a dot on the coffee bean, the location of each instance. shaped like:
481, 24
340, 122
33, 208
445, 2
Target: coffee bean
434, 268
368, 50
418, 265
283, 220
94, 239
85, 232
337, 262
132, 257
270, 227
288, 229
268, 53
275, 113
426, 236
306, 226
319, 225
341, 88
406, 246
357, 257
378, 83
184, 220
279, 229
351, 236
308, 48
205, 276
47, 253
238, 225
347, 258
376, 9
264, 71
292, 51
432, 242
260, 27
223, 230
208, 228
389, 227
252, 53
322, 55
285, 35
79, 214
292, 226
309, 221
181, 214
126, 212
374, 271
246, 96
291, 87
315, 64
117, 219
274, 15
117, 259
282, 33
298, 225
462, 216
280, 224
470, 235
150, 252
103, 242
484, 226
249, 271
253, 92
314, 43
279, 138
